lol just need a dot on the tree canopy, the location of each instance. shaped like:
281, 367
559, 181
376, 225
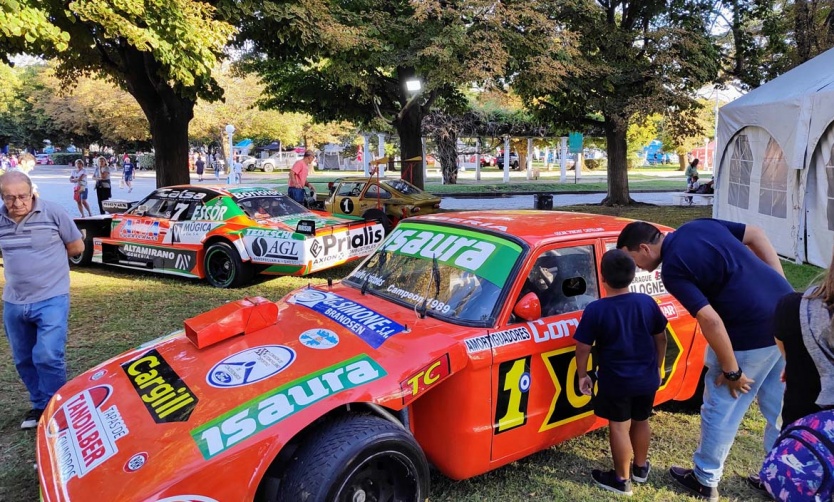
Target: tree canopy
161, 52
351, 60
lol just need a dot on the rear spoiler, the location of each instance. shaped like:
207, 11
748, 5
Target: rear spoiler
116, 206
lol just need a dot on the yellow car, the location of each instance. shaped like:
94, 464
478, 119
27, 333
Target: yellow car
388, 200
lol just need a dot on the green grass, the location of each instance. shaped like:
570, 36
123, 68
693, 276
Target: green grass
115, 310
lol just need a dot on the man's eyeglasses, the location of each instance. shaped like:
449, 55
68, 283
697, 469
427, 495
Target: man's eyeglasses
9, 199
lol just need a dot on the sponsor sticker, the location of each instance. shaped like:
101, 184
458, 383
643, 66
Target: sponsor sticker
498, 339
669, 310
306, 227
162, 258
648, 283
543, 332
83, 433
217, 212
97, 375
191, 232
169, 193
327, 249
425, 378
369, 325
166, 397
250, 366
270, 408
319, 338
488, 256
255, 192
147, 230
269, 250
136, 462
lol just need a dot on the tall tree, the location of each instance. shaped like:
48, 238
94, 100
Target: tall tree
635, 58
161, 52
352, 59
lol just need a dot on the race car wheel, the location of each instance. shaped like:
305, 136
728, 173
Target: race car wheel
268, 168
357, 458
224, 268
380, 216
86, 256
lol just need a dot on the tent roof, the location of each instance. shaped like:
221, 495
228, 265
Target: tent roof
244, 143
793, 108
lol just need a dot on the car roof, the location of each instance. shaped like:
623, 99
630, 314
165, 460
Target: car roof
241, 191
536, 227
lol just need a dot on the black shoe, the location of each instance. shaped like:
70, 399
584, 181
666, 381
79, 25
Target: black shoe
687, 479
640, 474
754, 481
608, 481
30, 421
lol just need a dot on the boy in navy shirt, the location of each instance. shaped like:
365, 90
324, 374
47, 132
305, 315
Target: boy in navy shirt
629, 331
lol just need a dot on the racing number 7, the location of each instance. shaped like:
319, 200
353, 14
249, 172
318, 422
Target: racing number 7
178, 210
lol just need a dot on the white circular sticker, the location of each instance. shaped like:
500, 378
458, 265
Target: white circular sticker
250, 366
319, 339
310, 296
136, 462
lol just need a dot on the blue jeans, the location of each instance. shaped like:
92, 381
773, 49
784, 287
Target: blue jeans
37, 334
721, 414
297, 194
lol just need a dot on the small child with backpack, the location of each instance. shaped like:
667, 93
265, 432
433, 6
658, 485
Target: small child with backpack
629, 332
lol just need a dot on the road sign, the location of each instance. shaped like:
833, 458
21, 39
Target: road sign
575, 142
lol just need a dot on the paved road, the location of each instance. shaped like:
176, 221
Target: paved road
53, 184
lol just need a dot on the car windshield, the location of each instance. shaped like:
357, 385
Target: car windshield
450, 273
270, 206
403, 187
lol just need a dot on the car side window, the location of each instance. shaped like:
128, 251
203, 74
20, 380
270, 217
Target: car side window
375, 191
350, 189
565, 280
153, 207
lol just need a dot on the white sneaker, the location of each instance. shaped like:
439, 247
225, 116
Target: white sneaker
30, 421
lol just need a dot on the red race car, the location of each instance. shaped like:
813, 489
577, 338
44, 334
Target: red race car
451, 344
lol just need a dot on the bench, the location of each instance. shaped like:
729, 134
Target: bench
693, 198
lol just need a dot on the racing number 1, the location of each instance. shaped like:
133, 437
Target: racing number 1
513, 385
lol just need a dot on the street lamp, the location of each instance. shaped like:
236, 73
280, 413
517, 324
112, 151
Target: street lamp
413, 85
230, 130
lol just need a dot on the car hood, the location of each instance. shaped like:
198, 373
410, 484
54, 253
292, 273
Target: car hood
231, 388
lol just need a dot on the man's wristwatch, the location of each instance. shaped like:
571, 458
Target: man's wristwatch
733, 376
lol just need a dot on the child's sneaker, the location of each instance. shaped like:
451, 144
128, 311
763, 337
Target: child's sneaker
608, 481
640, 474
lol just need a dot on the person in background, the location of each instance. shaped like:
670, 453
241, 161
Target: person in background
80, 192
36, 236
629, 332
729, 277
804, 333
104, 189
200, 166
691, 170
217, 167
127, 169
298, 178
692, 187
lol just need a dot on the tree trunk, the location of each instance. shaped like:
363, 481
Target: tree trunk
615, 133
409, 129
168, 113
447, 150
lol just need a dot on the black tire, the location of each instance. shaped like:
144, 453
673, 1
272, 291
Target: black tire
224, 268
380, 216
250, 167
86, 256
268, 168
357, 457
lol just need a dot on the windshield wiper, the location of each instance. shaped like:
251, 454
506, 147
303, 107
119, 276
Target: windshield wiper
435, 277
381, 260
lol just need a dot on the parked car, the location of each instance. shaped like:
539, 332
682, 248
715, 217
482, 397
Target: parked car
43, 159
513, 161
451, 344
487, 160
249, 163
223, 235
387, 200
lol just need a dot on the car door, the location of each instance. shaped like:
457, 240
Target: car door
346, 198
537, 400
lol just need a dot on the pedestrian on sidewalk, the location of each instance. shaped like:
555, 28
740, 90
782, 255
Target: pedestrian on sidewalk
79, 190
200, 166
104, 189
127, 169
36, 236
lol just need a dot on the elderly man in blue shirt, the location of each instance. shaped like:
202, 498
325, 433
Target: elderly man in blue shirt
36, 236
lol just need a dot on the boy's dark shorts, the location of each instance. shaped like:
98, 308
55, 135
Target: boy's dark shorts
617, 408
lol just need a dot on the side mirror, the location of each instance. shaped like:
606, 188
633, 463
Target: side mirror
529, 307
141, 210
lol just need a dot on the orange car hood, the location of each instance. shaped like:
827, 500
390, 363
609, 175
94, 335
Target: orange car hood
151, 417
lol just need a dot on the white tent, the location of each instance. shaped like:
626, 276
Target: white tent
775, 158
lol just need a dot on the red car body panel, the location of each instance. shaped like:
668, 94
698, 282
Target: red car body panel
208, 422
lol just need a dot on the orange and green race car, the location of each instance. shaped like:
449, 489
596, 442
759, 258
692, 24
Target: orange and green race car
452, 344
225, 235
